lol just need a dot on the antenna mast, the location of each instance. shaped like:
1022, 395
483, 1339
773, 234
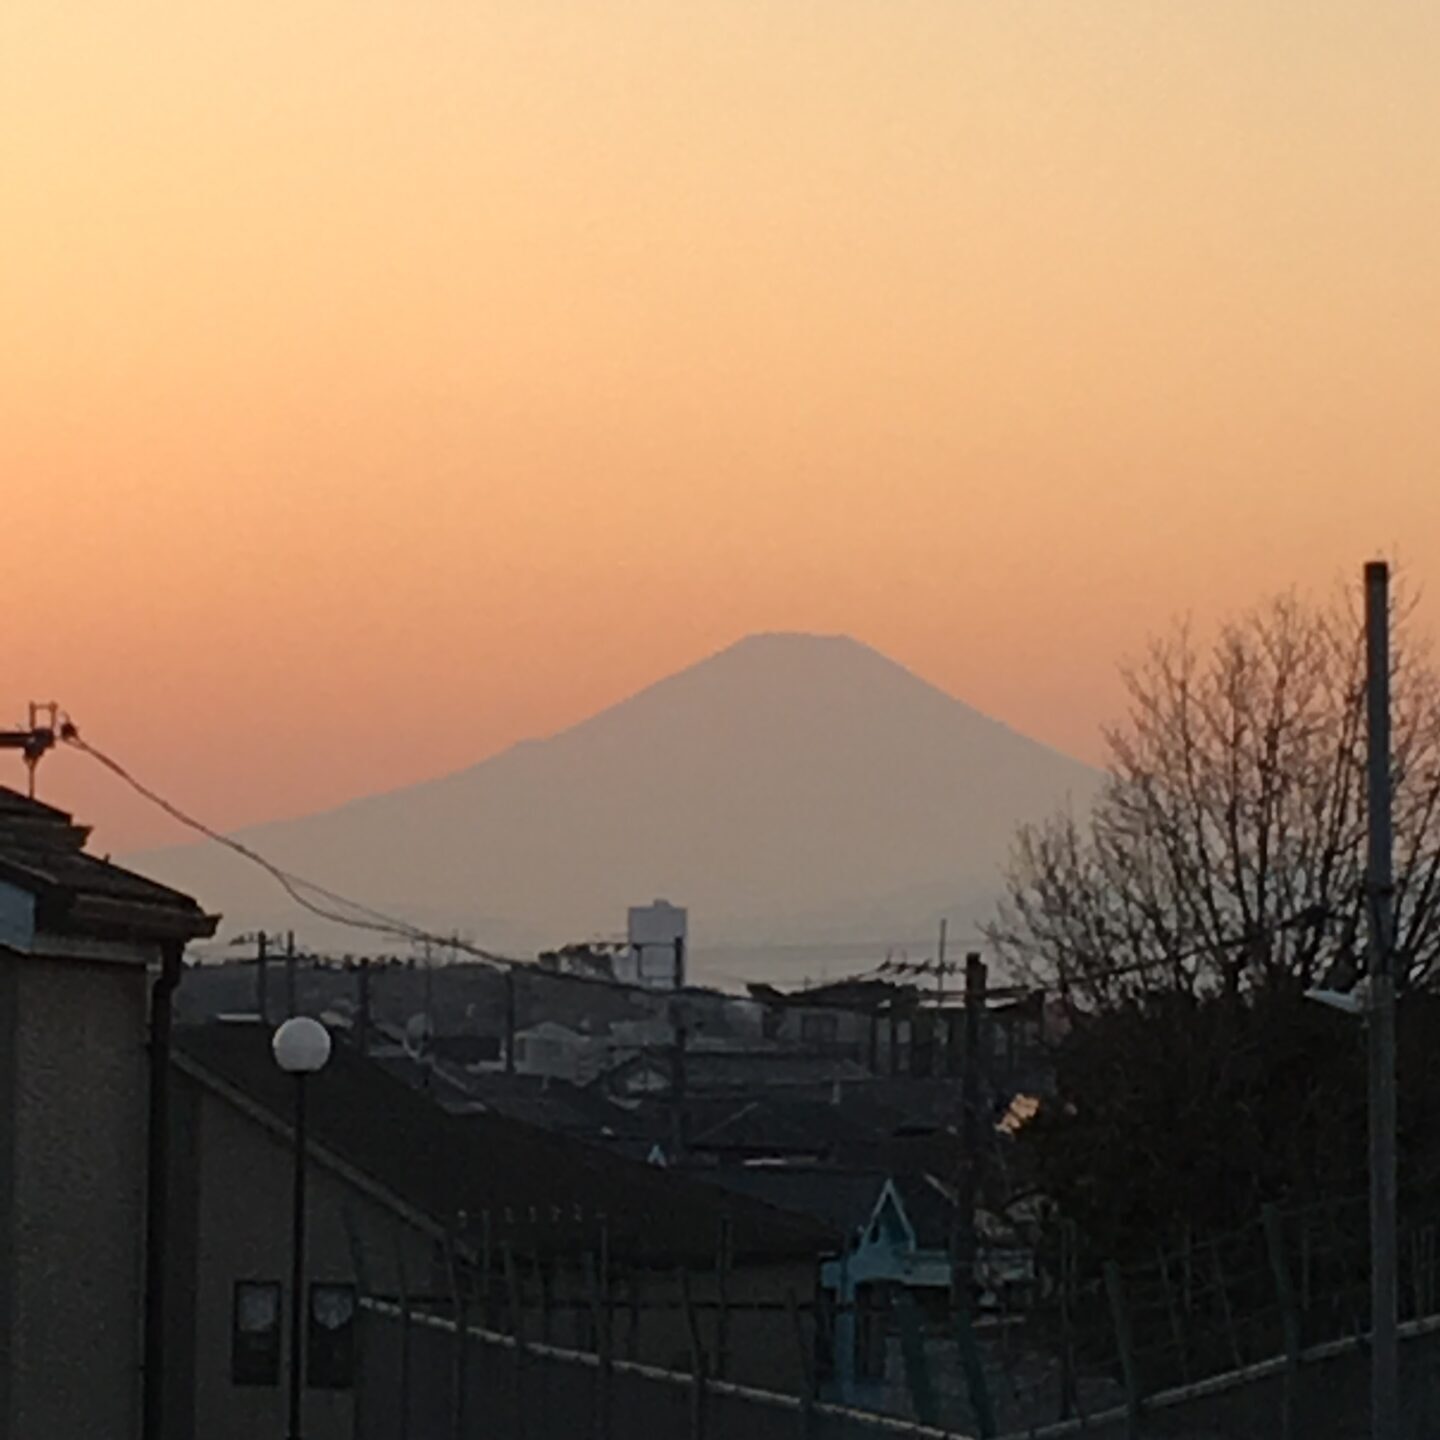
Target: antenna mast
44, 729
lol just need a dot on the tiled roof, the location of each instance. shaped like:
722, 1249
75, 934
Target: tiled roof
840, 1197
545, 1190
42, 852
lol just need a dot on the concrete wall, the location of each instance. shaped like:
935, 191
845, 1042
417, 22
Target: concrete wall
240, 1184
72, 1038
237, 1175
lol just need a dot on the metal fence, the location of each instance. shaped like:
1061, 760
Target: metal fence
426, 1377
1257, 1333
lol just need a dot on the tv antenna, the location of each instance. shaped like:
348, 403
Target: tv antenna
44, 729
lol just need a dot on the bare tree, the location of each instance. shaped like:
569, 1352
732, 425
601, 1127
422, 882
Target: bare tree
1225, 852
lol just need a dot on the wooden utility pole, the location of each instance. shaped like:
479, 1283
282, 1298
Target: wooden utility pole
939, 1031
362, 1008
964, 1247
678, 1081
262, 978
290, 979
509, 1019
1379, 887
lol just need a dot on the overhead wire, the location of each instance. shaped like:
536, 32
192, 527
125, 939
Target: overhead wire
365, 917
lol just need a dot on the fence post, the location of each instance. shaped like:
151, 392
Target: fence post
487, 1281
805, 1358
461, 1312
361, 1268
1067, 1338
1177, 1329
722, 1295
1115, 1288
405, 1355
697, 1359
1222, 1290
1289, 1318
517, 1331
600, 1313
912, 1350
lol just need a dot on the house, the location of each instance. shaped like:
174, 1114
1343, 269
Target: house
399, 1185
897, 1230
557, 1051
848, 1017
80, 940
695, 1072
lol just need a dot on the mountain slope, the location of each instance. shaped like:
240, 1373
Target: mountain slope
788, 783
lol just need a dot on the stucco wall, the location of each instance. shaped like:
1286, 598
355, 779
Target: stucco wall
241, 1207
77, 1196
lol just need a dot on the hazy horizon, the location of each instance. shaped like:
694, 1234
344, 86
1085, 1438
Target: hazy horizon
789, 787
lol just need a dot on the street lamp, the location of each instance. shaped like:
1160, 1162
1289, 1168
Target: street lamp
301, 1047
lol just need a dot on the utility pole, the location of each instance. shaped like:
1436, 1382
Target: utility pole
290, 996
1379, 888
964, 1246
678, 1082
262, 978
362, 1022
940, 1031
509, 1019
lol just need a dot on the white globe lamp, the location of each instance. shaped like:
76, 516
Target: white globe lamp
301, 1046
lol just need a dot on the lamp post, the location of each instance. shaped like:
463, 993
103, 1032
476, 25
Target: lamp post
301, 1047
1373, 1001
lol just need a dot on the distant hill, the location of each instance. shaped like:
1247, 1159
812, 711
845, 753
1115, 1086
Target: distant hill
792, 787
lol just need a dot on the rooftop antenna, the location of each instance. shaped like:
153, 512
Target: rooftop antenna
44, 729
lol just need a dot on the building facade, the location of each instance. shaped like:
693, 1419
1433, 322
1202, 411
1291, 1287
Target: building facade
79, 941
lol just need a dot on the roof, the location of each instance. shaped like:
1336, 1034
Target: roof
548, 1191
864, 995
539, 1100
740, 1070
779, 1124
42, 852
842, 1198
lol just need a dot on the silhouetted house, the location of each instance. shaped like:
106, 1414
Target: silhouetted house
715, 1072
855, 1018
897, 1231
396, 1181
78, 937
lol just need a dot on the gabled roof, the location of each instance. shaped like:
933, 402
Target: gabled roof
779, 1125
845, 1199
543, 1191
711, 1071
42, 852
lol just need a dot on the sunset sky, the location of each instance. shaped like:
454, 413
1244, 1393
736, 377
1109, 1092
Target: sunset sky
383, 382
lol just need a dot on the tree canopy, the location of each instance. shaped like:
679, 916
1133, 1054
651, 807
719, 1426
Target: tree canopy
1226, 849
1219, 873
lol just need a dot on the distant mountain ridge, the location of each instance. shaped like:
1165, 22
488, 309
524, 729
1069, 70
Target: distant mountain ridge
788, 786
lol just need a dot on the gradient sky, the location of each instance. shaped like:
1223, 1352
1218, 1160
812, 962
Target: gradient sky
381, 382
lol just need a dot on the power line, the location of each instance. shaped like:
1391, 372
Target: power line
378, 922
364, 917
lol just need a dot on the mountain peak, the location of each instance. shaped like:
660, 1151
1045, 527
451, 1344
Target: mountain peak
783, 664
787, 780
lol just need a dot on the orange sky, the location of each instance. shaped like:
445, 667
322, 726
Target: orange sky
382, 382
